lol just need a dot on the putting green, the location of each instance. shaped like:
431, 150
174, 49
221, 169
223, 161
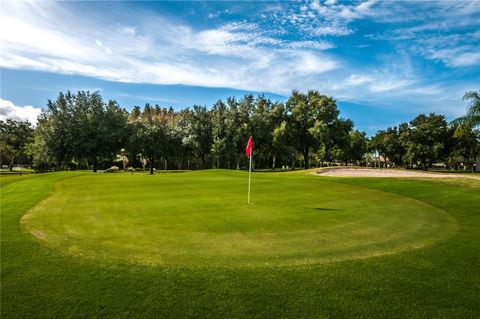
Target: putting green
201, 218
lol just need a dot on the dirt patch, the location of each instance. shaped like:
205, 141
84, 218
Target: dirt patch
378, 172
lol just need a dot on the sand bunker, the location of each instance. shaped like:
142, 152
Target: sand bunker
377, 172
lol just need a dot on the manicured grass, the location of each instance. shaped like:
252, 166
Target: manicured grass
201, 218
186, 245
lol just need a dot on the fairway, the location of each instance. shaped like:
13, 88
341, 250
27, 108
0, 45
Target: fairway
122, 245
201, 218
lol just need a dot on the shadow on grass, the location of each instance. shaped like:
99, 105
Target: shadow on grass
327, 209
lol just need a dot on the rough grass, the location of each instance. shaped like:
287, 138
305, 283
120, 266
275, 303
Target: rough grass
438, 280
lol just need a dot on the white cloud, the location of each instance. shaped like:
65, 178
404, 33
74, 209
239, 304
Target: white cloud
448, 33
333, 29
467, 59
358, 79
238, 55
396, 84
309, 63
462, 56
341, 14
149, 48
128, 30
18, 113
388, 85
310, 44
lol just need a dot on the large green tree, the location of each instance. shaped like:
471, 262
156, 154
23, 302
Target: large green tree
425, 141
310, 115
82, 128
42, 159
14, 137
262, 124
202, 133
56, 123
342, 143
150, 135
219, 133
77, 127
390, 145
238, 128
357, 146
279, 134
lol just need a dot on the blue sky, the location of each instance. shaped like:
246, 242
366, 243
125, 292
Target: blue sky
384, 62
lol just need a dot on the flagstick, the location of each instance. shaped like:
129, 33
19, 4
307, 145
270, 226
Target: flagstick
250, 175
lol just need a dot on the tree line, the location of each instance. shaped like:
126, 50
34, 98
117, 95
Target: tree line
83, 131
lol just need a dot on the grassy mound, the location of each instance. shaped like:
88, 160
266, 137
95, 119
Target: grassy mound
201, 218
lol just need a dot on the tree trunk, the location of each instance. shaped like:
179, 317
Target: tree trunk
95, 164
474, 161
11, 164
274, 158
165, 165
152, 161
306, 163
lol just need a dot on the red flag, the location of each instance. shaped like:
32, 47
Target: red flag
248, 150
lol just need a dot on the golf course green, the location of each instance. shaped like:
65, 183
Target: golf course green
201, 218
188, 245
